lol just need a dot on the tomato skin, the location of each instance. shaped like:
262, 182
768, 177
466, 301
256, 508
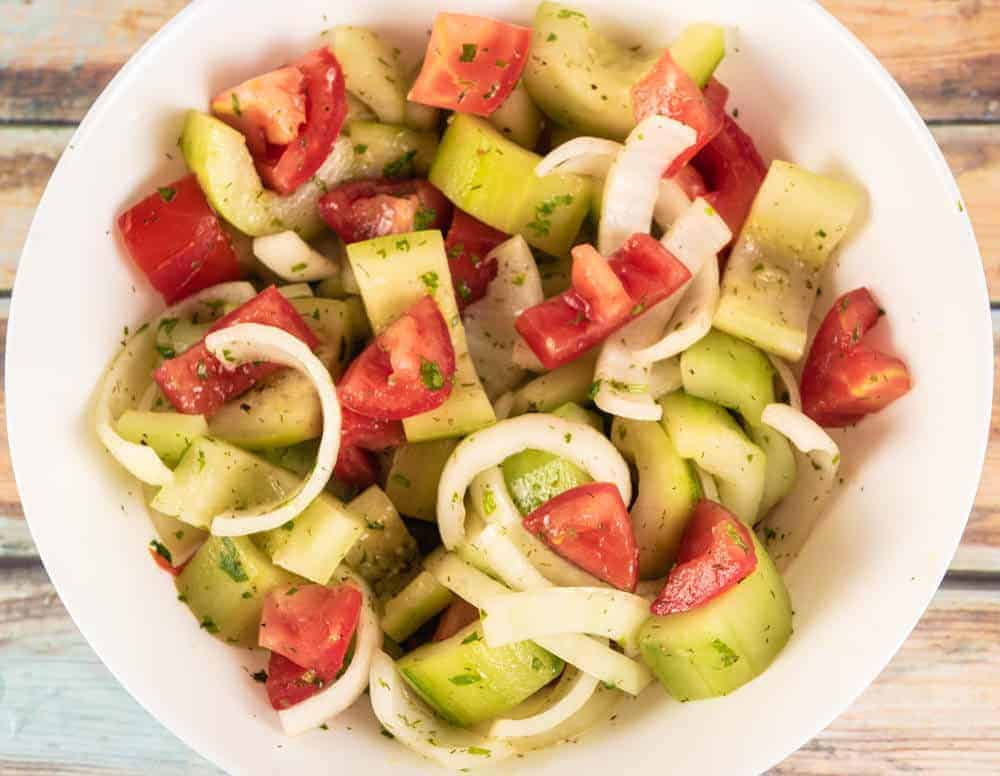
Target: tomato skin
716, 93
602, 292
361, 210
472, 63
196, 382
164, 564
359, 438
589, 525
559, 329
268, 110
843, 379
356, 467
468, 244
458, 615
288, 683
178, 242
716, 553
691, 182
407, 370
669, 91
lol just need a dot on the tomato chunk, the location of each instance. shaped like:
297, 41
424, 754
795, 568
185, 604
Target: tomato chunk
458, 614
161, 556
716, 553
288, 683
356, 467
359, 438
716, 93
564, 327
669, 91
268, 110
178, 242
361, 210
407, 370
196, 382
602, 291
589, 525
468, 244
843, 379
472, 63
691, 182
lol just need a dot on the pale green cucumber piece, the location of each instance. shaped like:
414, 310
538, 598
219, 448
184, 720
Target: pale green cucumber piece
580, 78
698, 51
390, 150
412, 483
339, 325
179, 539
357, 111
518, 118
708, 435
385, 553
668, 491
772, 278
168, 433
224, 586
556, 271
175, 335
781, 467
722, 645
574, 413
414, 605
493, 179
420, 116
217, 154
569, 383
393, 273
371, 72
467, 682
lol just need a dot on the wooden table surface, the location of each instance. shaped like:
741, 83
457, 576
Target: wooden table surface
935, 709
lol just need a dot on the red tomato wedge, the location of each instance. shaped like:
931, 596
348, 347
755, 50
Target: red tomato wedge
359, 438
161, 556
472, 63
562, 328
288, 683
602, 291
843, 379
459, 614
733, 172
468, 244
196, 382
268, 110
669, 91
691, 182
361, 210
356, 467
716, 93
716, 553
407, 370
589, 525
178, 242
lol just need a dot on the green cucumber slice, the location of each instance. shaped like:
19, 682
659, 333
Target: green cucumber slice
518, 118
413, 478
698, 51
414, 605
371, 72
385, 553
569, 383
390, 150
168, 433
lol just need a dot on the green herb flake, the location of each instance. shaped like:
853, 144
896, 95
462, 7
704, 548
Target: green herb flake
235, 100
166, 351
162, 551
518, 280
374, 526
208, 624
566, 13
259, 676
402, 245
360, 148
288, 526
478, 750
201, 370
465, 679
424, 218
431, 281
401, 167
537, 664
201, 460
489, 502
230, 561
471, 638
401, 479
386, 734
291, 591
463, 290
167, 193
430, 374
725, 653
594, 388
299, 267
552, 37
469, 51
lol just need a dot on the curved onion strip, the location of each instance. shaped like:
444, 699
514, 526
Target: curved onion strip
581, 156
489, 322
586, 653
788, 380
787, 527
129, 377
624, 379
503, 405
600, 708
570, 694
507, 562
341, 695
671, 202
633, 182
252, 342
291, 258
296, 291
709, 489
665, 377
614, 614
413, 724
525, 357
577, 442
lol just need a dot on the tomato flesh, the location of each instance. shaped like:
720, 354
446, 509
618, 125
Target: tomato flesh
196, 382
589, 525
716, 93
359, 438
458, 615
361, 210
178, 242
288, 683
407, 370
468, 244
843, 379
472, 63
562, 328
716, 553
691, 182
356, 467
268, 110
667, 90
602, 291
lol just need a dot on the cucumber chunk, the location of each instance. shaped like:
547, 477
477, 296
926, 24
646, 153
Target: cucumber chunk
412, 483
390, 151
467, 682
668, 491
518, 118
708, 435
224, 586
371, 72
168, 433
180, 539
385, 553
781, 466
175, 335
569, 383
340, 325
698, 51
414, 605
771, 280
722, 645
493, 179
393, 273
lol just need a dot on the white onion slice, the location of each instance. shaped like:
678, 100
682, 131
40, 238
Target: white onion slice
570, 694
291, 258
507, 562
581, 156
577, 442
665, 377
614, 614
787, 527
296, 291
128, 379
489, 322
341, 695
525, 358
788, 380
415, 726
671, 202
633, 182
600, 708
252, 342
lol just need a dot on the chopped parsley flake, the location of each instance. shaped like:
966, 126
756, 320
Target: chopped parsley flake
230, 561
542, 223
360, 148
430, 374
552, 37
430, 281
401, 167
469, 51
401, 479
518, 280
725, 652
162, 551
201, 370
424, 218
208, 624
299, 267
472, 637
464, 679
167, 193
259, 676
236, 105
478, 750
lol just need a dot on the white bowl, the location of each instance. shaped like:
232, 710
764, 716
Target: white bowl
808, 92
